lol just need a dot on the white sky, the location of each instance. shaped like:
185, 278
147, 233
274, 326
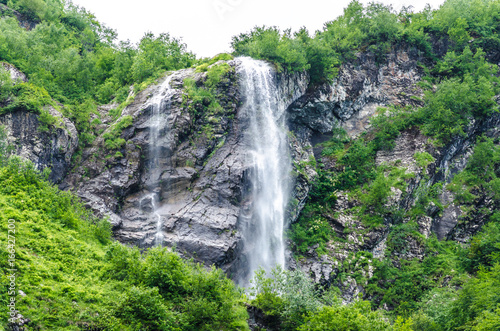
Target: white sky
206, 26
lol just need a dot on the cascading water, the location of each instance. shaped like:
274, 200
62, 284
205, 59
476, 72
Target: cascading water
271, 165
159, 102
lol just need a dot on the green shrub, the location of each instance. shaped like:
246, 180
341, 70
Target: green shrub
480, 174
215, 74
477, 303
355, 317
271, 44
286, 295
75, 277
123, 263
423, 159
144, 309
6, 85
112, 138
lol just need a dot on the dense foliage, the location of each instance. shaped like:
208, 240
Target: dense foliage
74, 277
375, 28
292, 302
71, 57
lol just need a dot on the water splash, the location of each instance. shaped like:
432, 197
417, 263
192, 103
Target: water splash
268, 153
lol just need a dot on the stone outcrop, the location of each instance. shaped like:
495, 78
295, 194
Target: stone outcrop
350, 101
202, 177
50, 147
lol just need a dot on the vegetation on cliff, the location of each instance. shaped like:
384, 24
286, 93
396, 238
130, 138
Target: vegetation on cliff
77, 61
74, 276
444, 288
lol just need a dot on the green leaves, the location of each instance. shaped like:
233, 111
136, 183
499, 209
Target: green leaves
112, 139
144, 309
75, 276
480, 175
477, 304
354, 317
271, 44
292, 302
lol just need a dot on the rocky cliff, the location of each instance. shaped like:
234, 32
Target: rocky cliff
349, 102
46, 149
202, 180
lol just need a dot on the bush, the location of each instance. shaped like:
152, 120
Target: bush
6, 85
354, 317
75, 277
286, 295
477, 303
112, 138
144, 309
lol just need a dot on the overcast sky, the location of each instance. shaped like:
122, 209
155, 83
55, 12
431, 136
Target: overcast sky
206, 26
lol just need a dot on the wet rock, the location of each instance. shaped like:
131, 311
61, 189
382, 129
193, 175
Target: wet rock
199, 186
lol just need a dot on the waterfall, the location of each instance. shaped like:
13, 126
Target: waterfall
158, 103
268, 154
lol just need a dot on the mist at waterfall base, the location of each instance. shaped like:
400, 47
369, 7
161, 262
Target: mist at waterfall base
268, 155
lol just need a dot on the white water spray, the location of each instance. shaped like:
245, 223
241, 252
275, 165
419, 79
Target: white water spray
268, 152
159, 102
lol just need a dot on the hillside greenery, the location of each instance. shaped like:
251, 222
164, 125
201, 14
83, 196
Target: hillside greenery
452, 287
375, 28
74, 276
73, 59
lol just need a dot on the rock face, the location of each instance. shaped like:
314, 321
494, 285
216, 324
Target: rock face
15, 74
361, 87
52, 149
199, 186
202, 179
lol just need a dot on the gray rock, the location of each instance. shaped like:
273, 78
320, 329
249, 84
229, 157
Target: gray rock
52, 149
358, 90
200, 186
15, 74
